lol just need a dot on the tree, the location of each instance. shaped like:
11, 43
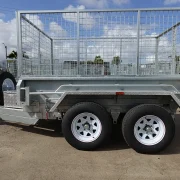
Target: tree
177, 68
98, 60
90, 62
14, 55
177, 58
116, 60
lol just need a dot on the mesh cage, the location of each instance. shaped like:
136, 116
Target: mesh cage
99, 43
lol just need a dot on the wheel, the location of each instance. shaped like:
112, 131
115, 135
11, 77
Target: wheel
86, 125
148, 128
7, 82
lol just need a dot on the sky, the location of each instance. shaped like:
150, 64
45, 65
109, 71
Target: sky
8, 8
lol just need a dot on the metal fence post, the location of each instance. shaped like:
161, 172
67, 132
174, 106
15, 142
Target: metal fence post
173, 50
120, 56
52, 68
78, 43
156, 56
86, 72
19, 40
138, 35
39, 54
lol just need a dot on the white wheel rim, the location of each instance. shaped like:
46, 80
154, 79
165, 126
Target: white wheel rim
8, 85
86, 127
149, 130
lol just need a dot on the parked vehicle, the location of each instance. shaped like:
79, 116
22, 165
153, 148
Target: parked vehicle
91, 69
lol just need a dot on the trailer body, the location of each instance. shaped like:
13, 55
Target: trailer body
116, 58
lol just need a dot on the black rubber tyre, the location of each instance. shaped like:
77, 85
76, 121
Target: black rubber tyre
136, 113
88, 107
4, 76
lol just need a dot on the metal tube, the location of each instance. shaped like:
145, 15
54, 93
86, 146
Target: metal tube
86, 58
173, 50
19, 41
156, 56
168, 30
120, 56
39, 54
78, 43
101, 10
52, 68
108, 78
138, 34
113, 37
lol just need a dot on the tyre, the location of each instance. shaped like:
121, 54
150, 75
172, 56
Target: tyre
148, 129
7, 82
86, 125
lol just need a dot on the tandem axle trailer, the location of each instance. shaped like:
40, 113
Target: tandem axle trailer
91, 69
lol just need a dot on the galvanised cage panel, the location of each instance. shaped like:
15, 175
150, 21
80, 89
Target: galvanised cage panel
99, 42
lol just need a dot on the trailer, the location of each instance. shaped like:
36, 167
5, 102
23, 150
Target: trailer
94, 69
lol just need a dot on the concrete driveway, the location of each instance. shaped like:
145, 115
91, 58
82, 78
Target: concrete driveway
34, 153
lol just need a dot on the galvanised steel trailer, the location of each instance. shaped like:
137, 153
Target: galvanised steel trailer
95, 68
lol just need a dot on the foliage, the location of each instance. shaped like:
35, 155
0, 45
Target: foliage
116, 60
98, 60
14, 55
90, 62
177, 58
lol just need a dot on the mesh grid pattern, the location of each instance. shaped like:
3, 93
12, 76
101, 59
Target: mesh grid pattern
104, 43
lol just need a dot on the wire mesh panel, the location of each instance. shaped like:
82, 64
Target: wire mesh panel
105, 39
12, 66
100, 43
36, 47
160, 52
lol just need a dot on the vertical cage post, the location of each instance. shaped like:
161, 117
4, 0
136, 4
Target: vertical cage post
173, 50
52, 69
39, 53
120, 55
156, 56
19, 40
86, 59
138, 36
78, 43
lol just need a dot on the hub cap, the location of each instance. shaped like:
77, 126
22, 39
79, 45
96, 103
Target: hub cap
8, 85
149, 130
86, 127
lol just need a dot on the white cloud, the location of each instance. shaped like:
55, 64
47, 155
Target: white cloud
71, 7
56, 30
87, 20
35, 20
72, 16
8, 36
120, 2
169, 2
102, 3
94, 3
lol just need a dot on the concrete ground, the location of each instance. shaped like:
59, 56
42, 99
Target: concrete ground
34, 154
